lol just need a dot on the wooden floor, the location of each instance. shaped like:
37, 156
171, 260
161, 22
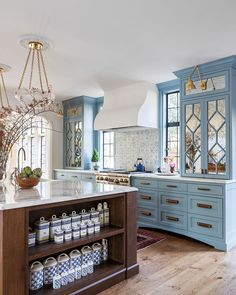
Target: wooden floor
181, 266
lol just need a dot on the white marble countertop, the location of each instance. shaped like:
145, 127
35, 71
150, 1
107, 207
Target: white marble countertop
54, 191
180, 178
76, 171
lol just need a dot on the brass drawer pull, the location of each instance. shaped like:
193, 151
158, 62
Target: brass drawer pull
206, 206
88, 177
75, 176
207, 225
145, 183
62, 175
146, 213
146, 197
172, 218
170, 201
172, 186
203, 189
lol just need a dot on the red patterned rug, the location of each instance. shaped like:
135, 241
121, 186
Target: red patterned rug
147, 237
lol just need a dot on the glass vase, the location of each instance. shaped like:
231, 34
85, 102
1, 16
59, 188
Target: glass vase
3, 169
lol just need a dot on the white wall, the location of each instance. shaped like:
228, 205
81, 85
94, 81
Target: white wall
131, 145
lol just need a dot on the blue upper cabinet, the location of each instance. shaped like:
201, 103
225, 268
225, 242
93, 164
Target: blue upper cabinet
208, 120
79, 135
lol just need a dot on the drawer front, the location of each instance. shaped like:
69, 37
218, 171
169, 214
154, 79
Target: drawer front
206, 189
173, 219
208, 226
88, 177
173, 201
173, 186
205, 206
61, 176
145, 183
148, 215
74, 176
147, 198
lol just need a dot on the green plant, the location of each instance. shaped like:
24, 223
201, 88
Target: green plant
95, 156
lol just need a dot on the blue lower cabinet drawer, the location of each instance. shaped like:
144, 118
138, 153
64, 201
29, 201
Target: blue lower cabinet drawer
208, 226
173, 186
206, 189
145, 183
205, 206
147, 215
173, 201
147, 198
173, 219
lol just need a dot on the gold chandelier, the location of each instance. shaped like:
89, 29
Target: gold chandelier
4, 101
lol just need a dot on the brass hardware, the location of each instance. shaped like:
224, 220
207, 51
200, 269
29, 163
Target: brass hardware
62, 175
170, 201
146, 213
35, 45
88, 177
203, 189
75, 176
145, 197
172, 218
207, 225
172, 186
145, 183
190, 84
206, 206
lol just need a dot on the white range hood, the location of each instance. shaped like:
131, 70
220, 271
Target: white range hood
128, 108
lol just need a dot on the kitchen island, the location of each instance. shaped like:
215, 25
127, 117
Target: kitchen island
19, 209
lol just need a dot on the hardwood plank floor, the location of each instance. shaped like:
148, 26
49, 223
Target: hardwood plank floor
181, 266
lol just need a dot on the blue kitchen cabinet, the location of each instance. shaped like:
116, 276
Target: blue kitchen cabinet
208, 117
79, 134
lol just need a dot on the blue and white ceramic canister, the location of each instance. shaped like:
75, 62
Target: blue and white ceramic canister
42, 230
76, 232
84, 269
90, 267
55, 224
104, 249
97, 227
101, 216
36, 275
87, 254
64, 278
59, 236
50, 270
31, 238
83, 229
78, 273
75, 218
85, 216
71, 275
97, 253
94, 215
106, 214
57, 282
65, 221
90, 227
68, 235
75, 258
63, 261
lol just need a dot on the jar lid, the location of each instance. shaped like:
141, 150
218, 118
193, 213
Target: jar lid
42, 220
96, 246
51, 261
86, 249
63, 257
75, 253
36, 266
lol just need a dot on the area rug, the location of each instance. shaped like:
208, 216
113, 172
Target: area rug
146, 238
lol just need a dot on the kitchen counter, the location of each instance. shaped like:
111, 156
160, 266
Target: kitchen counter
180, 178
76, 171
48, 192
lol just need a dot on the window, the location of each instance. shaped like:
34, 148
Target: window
108, 150
34, 143
173, 127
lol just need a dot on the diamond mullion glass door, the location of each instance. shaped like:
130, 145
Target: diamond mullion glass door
216, 128
193, 139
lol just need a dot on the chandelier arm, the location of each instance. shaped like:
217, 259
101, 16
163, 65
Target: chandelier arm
39, 69
4, 89
32, 69
25, 67
44, 70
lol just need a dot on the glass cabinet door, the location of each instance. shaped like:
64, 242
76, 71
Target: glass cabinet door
193, 139
73, 144
216, 137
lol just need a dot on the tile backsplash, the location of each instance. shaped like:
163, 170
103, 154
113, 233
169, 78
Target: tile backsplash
131, 145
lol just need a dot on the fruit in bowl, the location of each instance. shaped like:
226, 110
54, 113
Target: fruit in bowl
28, 178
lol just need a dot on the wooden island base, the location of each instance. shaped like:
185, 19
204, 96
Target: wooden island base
15, 256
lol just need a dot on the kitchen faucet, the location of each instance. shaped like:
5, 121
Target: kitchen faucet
18, 156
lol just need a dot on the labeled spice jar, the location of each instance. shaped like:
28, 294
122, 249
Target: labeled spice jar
59, 236
90, 227
57, 282
97, 227
106, 214
75, 218
76, 232
104, 249
31, 238
83, 229
68, 235
71, 275
55, 224
94, 215
84, 269
85, 216
101, 217
42, 230
78, 273
64, 278
65, 221
90, 267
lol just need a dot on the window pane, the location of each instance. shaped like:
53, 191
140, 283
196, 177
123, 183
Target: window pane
108, 149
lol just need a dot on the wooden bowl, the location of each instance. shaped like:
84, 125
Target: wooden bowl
27, 182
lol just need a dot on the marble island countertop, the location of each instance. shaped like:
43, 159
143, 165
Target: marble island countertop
53, 191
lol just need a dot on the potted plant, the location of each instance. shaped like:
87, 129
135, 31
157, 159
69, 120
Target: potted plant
95, 159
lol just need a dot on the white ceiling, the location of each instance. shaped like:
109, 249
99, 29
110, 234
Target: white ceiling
102, 44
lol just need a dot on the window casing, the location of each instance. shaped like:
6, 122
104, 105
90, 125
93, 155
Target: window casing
173, 127
108, 150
